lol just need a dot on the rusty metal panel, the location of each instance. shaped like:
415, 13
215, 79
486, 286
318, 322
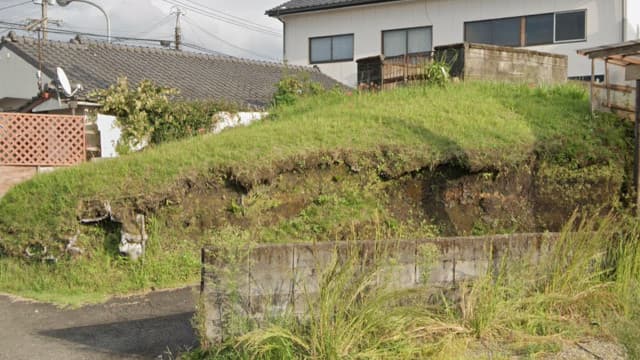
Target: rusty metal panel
41, 140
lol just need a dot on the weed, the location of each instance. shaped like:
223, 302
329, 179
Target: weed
527, 304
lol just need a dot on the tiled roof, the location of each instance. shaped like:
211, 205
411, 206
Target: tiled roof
297, 6
97, 65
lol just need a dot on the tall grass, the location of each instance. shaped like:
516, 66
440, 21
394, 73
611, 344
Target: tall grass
585, 284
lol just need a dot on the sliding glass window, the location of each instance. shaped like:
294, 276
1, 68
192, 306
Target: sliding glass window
503, 32
571, 26
406, 41
530, 30
331, 49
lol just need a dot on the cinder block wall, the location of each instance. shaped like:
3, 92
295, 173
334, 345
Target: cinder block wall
505, 64
268, 279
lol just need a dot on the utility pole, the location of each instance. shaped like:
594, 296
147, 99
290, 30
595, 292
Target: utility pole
178, 32
43, 26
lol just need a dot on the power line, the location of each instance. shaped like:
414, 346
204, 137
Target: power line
15, 26
66, 31
229, 43
15, 5
231, 19
268, 28
154, 26
244, 24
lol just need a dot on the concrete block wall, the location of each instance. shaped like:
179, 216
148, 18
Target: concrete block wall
505, 64
264, 280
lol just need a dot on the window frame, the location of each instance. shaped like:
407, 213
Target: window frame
555, 21
523, 30
406, 40
332, 60
491, 20
553, 30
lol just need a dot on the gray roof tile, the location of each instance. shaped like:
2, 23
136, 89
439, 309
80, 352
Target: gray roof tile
96, 65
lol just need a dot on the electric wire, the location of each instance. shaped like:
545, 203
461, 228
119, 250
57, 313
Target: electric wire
8, 26
231, 19
246, 24
15, 5
195, 3
205, 31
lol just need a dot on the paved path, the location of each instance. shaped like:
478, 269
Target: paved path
137, 327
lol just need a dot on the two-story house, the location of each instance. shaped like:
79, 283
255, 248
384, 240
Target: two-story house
333, 34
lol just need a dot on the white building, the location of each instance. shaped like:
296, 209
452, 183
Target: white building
333, 34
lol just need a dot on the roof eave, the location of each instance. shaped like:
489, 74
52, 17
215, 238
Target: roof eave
277, 12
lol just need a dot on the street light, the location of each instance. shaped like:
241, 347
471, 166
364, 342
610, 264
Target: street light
67, 2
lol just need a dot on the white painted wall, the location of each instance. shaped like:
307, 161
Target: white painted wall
109, 135
633, 20
604, 26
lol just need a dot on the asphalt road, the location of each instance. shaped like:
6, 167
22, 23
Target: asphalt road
150, 326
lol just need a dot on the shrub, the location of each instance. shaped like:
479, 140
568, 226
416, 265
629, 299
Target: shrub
290, 88
437, 71
151, 114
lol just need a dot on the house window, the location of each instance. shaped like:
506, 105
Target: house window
539, 29
571, 26
503, 32
331, 49
406, 41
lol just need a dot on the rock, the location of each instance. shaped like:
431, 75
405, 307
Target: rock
133, 245
71, 247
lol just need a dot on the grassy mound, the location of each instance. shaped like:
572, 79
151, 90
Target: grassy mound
478, 126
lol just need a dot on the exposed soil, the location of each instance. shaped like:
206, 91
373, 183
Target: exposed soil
455, 199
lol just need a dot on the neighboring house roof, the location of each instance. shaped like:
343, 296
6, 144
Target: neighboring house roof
298, 6
96, 65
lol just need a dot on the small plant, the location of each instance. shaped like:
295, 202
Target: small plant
290, 88
437, 72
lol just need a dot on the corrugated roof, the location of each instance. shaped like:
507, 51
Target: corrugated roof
298, 6
96, 65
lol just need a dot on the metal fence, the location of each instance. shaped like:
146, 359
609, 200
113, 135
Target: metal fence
41, 140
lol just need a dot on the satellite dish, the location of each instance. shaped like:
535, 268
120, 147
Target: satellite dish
64, 82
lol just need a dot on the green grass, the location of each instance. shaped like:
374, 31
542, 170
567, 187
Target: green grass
477, 125
480, 125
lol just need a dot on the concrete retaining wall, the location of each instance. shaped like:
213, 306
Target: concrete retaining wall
267, 279
498, 63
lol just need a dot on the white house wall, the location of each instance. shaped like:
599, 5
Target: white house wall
633, 20
17, 77
604, 26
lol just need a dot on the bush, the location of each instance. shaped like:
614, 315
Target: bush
290, 88
150, 114
437, 72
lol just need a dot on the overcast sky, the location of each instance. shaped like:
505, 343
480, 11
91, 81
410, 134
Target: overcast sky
153, 19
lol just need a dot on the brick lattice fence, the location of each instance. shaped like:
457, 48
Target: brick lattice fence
41, 140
